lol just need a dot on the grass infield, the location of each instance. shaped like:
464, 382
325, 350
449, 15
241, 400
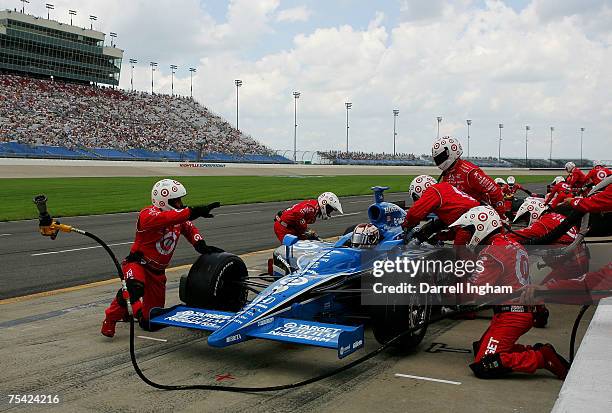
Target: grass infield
86, 196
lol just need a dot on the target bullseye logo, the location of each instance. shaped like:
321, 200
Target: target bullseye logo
482, 216
480, 227
165, 192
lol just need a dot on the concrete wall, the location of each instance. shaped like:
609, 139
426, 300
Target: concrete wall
588, 387
43, 168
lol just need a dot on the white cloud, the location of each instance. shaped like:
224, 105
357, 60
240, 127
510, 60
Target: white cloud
295, 14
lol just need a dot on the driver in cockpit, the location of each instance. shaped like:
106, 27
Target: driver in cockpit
365, 236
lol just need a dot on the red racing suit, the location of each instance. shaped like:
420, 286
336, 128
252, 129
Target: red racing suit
505, 262
558, 194
590, 283
448, 203
468, 178
576, 178
509, 191
157, 233
597, 174
295, 219
562, 268
600, 202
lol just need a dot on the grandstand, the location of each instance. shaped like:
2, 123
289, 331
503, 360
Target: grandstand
56, 119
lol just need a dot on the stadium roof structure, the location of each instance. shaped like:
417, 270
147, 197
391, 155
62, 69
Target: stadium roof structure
34, 45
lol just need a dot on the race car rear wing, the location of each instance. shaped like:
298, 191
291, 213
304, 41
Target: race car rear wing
345, 339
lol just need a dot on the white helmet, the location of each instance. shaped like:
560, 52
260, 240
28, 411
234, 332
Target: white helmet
500, 181
534, 206
365, 236
329, 202
445, 151
557, 180
165, 190
483, 218
598, 163
569, 167
511, 180
419, 185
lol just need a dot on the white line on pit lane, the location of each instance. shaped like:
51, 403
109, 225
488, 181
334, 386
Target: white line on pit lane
78, 249
346, 215
153, 338
5, 235
427, 379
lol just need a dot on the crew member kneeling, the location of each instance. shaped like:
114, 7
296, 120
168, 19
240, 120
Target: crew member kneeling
505, 262
157, 231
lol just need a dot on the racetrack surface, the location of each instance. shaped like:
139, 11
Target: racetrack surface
51, 345
32, 263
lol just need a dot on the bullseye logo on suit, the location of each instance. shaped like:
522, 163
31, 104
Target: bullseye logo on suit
166, 245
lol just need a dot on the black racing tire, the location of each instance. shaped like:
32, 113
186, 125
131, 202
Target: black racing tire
214, 282
388, 321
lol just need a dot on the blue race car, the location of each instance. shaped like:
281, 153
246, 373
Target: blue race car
314, 295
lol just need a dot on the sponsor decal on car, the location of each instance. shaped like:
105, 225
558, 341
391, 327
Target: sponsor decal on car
306, 332
199, 318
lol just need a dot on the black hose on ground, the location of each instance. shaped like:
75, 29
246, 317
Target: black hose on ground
575, 331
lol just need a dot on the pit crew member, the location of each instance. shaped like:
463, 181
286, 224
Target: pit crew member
442, 199
560, 190
504, 262
464, 175
295, 219
598, 173
157, 231
575, 178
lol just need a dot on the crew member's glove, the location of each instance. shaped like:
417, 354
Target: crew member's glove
311, 235
201, 247
203, 211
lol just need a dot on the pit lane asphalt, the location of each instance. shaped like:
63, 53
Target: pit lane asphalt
31, 263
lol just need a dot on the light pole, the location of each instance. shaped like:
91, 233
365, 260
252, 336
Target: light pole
153, 65
23, 3
113, 35
526, 159
552, 128
469, 122
92, 19
501, 126
172, 69
296, 96
439, 118
395, 113
348, 106
71, 13
49, 6
581, 135
238, 83
192, 70
132, 62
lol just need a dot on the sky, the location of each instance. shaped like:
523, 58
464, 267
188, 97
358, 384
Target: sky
540, 63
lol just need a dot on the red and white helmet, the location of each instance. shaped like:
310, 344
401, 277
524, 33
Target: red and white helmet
329, 202
445, 151
569, 167
511, 181
165, 190
484, 219
597, 163
419, 185
533, 206
365, 236
500, 181
557, 180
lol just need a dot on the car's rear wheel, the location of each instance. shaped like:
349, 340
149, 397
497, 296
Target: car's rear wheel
215, 282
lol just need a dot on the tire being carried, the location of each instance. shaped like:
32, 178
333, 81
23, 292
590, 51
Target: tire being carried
214, 282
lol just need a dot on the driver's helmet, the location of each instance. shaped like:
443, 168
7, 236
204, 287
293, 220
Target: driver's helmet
365, 236
166, 192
